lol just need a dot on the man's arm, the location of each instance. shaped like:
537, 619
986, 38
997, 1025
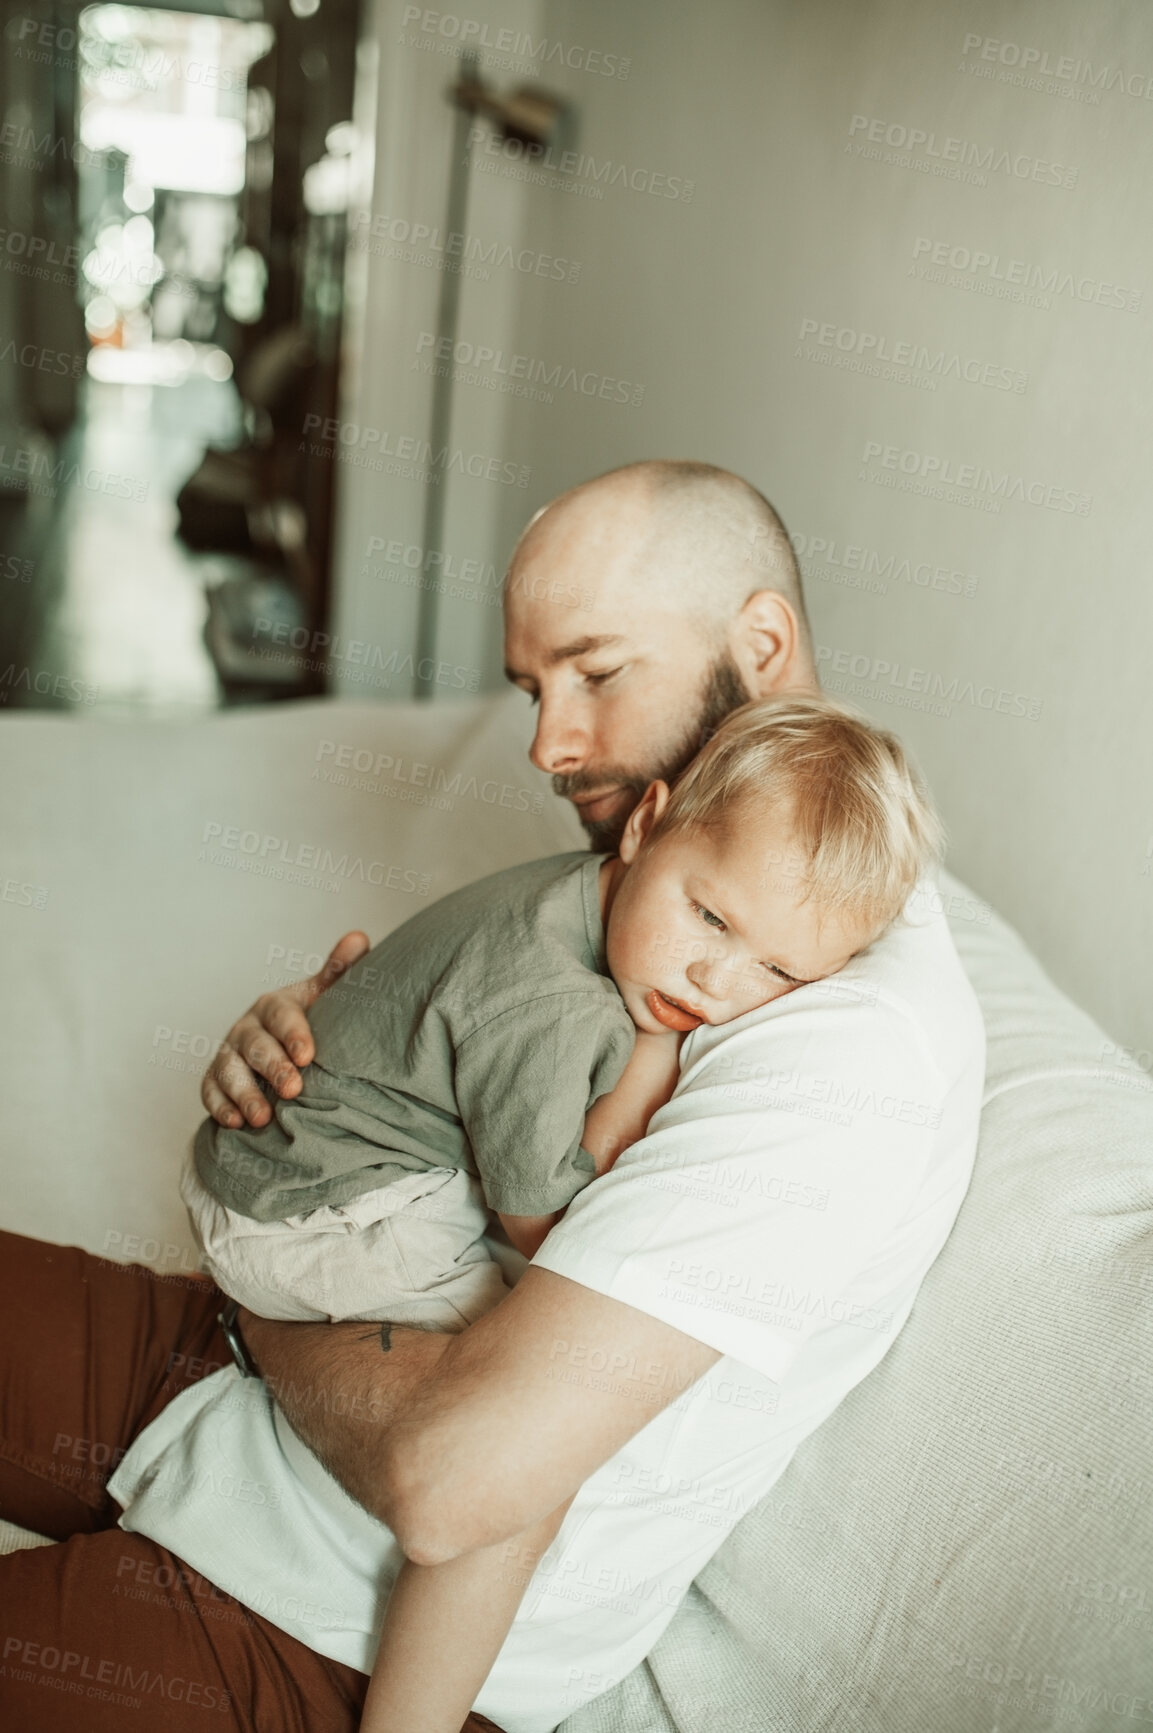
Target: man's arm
271, 1040
458, 1442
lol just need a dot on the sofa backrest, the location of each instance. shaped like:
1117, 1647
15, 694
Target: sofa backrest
967, 1543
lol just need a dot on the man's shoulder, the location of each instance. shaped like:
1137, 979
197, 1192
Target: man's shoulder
903, 1006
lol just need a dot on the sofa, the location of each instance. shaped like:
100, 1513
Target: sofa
967, 1544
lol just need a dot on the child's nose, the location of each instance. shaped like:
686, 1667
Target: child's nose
711, 977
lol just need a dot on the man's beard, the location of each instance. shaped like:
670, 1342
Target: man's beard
724, 692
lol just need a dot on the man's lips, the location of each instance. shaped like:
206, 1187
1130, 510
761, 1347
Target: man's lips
672, 1015
594, 807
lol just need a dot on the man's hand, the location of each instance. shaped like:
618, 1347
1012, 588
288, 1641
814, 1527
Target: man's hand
271, 1040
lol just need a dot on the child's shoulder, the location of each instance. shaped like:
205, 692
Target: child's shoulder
504, 919
526, 933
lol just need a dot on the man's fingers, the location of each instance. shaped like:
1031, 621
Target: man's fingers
217, 1103
268, 1039
280, 1018
229, 1085
263, 1054
346, 951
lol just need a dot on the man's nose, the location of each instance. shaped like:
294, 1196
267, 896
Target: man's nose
560, 746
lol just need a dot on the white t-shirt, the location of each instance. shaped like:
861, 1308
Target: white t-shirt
784, 1208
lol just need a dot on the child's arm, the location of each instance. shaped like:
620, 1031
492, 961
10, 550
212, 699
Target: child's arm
613, 1122
443, 1628
528, 1233
621, 1117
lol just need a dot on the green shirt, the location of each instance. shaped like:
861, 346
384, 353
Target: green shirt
477, 1036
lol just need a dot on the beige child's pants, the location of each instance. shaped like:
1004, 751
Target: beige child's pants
410, 1253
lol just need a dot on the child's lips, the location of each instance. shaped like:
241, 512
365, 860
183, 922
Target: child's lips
672, 1015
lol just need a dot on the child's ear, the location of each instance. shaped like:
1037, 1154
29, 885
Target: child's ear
642, 819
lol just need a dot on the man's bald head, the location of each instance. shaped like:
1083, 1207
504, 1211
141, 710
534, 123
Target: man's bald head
682, 533
640, 610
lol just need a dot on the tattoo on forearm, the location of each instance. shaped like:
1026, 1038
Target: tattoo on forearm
384, 1337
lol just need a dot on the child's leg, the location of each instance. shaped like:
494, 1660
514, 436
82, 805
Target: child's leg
443, 1628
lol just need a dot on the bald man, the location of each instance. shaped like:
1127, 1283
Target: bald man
697, 1312
694, 607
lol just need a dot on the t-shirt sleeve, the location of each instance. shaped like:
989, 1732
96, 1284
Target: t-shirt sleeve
524, 1082
780, 1170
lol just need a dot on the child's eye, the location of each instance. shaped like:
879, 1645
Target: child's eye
599, 679
709, 918
789, 980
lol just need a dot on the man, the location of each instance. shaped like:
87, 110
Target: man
695, 1315
692, 606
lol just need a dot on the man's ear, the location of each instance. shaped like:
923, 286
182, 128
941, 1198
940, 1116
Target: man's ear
642, 819
765, 643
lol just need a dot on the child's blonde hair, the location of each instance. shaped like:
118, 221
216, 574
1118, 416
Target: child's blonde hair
861, 820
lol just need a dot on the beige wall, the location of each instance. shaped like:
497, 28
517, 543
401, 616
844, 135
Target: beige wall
1005, 635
